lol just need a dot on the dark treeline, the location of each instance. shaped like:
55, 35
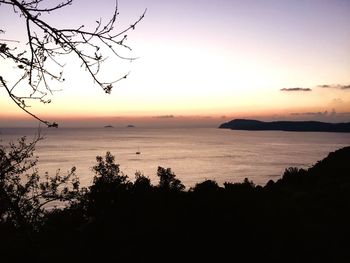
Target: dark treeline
302, 217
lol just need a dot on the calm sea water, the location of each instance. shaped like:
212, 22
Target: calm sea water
194, 154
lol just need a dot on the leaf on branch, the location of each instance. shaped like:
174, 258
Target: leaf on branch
53, 125
108, 89
3, 48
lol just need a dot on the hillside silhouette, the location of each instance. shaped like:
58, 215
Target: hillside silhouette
301, 126
302, 217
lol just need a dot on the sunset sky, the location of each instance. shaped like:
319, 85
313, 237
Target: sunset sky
235, 58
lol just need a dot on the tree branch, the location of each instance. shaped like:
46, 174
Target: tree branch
48, 43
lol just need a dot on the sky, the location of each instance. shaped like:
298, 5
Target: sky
272, 59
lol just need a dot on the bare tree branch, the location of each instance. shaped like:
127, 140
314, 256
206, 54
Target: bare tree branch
21, 103
46, 44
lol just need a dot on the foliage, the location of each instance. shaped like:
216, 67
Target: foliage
206, 186
23, 193
303, 216
107, 171
167, 180
142, 183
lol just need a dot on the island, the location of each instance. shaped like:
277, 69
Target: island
109, 126
296, 126
130, 126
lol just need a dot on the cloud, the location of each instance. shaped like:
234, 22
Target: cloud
296, 89
165, 116
334, 86
337, 101
324, 86
318, 113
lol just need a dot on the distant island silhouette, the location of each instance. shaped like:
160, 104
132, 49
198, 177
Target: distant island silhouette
299, 126
130, 126
109, 126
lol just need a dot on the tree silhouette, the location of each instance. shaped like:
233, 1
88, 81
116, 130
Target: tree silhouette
108, 184
206, 186
46, 44
142, 183
23, 193
167, 180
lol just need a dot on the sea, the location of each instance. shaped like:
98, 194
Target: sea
193, 154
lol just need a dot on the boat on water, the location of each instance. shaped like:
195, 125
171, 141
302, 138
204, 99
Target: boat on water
138, 151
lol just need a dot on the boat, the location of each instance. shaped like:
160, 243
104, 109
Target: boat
138, 151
